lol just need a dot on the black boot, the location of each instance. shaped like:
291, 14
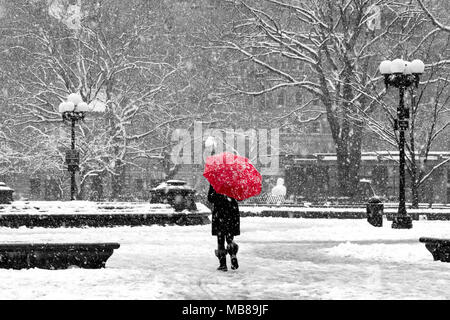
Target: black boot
222, 255
232, 249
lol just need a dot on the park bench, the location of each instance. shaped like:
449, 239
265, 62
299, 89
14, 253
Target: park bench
55, 255
439, 248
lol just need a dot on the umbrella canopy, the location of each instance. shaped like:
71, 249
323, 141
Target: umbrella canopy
233, 176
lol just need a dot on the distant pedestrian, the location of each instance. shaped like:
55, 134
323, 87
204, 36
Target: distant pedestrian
225, 225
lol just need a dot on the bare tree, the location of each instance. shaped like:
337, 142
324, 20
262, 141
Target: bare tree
329, 50
429, 116
438, 6
117, 56
429, 122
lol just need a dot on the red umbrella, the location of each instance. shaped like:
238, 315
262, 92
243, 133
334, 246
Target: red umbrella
233, 176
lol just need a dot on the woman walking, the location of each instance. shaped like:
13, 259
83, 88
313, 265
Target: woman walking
225, 225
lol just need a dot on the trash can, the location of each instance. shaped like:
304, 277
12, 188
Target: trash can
6, 194
375, 210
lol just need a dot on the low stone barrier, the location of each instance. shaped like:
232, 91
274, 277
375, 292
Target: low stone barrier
305, 214
56, 214
338, 213
439, 248
99, 220
55, 255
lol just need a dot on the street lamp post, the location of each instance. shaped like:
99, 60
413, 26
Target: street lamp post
402, 74
73, 110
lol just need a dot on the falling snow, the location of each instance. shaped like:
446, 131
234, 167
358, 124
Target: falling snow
318, 107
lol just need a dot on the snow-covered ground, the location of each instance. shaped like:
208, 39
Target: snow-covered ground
279, 259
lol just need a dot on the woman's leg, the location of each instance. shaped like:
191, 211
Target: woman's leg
221, 253
221, 242
229, 239
232, 249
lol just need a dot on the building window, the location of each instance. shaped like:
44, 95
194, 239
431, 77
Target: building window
215, 55
299, 98
35, 186
314, 127
281, 99
51, 189
139, 184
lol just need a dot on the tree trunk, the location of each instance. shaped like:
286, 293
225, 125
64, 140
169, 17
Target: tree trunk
415, 195
348, 153
81, 192
347, 135
414, 174
118, 181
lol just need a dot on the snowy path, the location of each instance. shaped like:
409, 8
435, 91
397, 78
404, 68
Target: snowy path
279, 258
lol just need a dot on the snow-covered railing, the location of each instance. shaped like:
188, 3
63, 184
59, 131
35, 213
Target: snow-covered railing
325, 204
266, 198
284, 211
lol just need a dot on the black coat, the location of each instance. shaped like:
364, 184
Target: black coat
225, 214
